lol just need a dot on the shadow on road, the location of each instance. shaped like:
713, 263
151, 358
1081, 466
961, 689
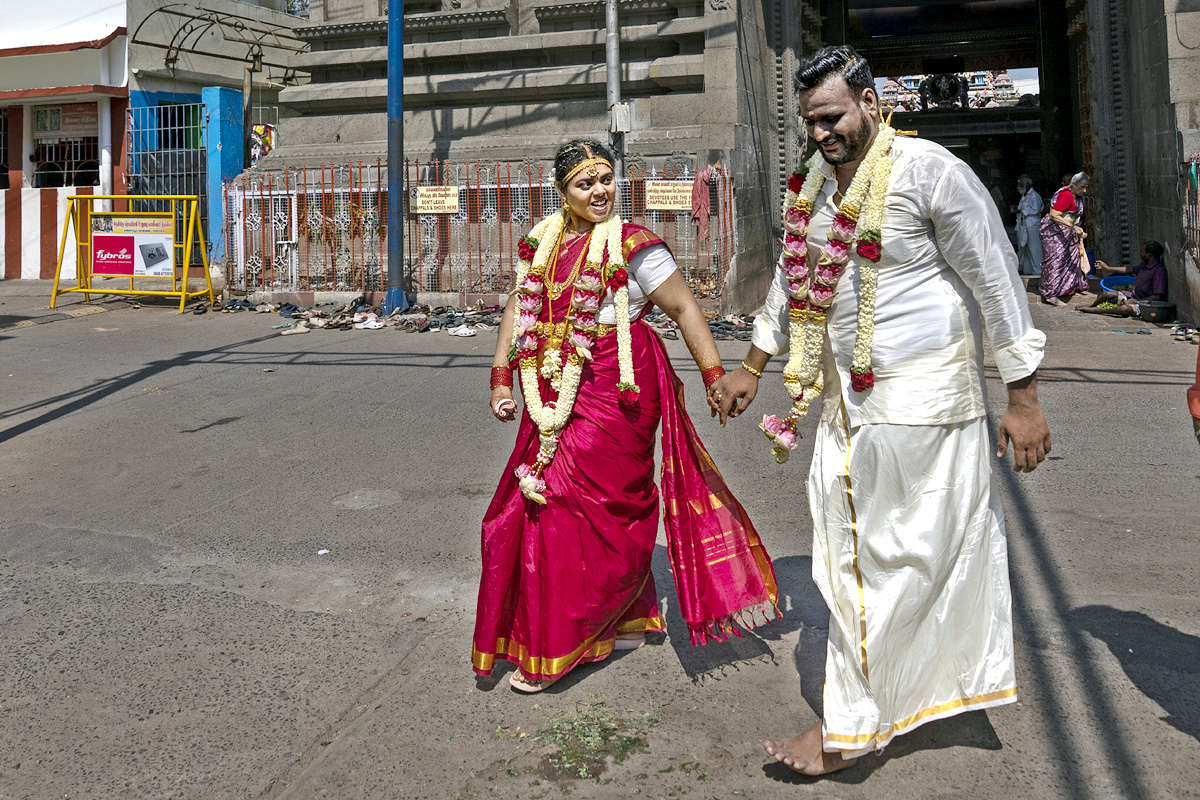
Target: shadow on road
802, 609
1163, 663
67, 403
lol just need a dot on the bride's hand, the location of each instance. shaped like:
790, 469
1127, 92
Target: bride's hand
504, 408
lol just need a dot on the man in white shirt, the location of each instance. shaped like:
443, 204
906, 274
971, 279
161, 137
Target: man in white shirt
909, 549
1029, 217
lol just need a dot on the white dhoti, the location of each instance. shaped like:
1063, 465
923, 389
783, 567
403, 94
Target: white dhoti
1029, 245
909, 553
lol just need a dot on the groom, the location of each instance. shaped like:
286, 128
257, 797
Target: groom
909, 548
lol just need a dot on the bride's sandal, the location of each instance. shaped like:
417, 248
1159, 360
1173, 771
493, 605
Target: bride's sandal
526, 685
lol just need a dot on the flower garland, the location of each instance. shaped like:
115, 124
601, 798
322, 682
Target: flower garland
564, 357
811, 289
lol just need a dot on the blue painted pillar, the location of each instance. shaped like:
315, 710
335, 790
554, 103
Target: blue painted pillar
398, 282
223, 137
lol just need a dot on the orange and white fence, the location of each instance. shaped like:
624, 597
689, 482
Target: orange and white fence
30, 223
326, 228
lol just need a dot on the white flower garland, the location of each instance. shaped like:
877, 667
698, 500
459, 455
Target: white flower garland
564, 373
811, 288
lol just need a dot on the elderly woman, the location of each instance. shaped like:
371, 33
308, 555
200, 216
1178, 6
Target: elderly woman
1029, 217
1062, 243
568, 538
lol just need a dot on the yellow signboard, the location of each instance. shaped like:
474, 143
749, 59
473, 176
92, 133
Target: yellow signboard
668, 195
434, 199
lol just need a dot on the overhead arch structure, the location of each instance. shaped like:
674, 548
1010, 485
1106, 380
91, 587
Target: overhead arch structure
191, 24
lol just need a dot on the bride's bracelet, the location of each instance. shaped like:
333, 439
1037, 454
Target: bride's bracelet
502, 376
711, 375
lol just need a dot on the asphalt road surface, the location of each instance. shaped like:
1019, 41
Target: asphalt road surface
240, 565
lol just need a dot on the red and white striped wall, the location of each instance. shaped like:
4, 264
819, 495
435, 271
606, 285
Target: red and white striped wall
31, 225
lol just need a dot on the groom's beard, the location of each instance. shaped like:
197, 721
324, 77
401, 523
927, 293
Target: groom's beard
850, 147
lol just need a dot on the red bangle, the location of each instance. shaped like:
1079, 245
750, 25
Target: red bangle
502, 376
711, 375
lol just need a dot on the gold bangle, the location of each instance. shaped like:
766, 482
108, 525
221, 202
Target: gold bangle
751, 370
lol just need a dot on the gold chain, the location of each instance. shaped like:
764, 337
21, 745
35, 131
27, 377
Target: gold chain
556, 289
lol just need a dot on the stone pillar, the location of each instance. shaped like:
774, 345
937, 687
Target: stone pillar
1054, 56
223, 137
27, 148
104, 137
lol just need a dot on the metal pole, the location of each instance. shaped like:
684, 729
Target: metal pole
397, 292
617, 111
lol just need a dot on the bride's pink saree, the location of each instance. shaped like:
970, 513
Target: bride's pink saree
560, 581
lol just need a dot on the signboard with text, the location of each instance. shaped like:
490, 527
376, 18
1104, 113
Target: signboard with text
133, 246
434, 200
668, 195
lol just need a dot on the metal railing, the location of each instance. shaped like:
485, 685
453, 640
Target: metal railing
168, 155
324, 229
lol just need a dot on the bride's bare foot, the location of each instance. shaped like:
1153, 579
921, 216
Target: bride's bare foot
805, 754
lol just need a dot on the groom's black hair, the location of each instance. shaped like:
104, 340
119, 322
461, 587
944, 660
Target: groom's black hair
841, 60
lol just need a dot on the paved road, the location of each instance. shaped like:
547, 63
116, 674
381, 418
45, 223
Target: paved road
171, 628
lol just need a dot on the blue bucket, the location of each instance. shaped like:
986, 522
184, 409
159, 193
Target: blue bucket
1117, 283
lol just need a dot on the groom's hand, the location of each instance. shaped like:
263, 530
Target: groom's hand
732, 394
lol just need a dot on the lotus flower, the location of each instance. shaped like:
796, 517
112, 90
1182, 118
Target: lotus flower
795, 220
828, 274
530, 284
782, 433
821, 295
842, 227
794, 246
585, 322
532, 485
795, 269
586, 284
527, 341
582, 343
526, 321
798, 290
836, 249
586, 301
529, 302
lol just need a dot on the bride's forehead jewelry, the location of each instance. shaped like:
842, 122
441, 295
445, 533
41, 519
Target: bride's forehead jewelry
590, 165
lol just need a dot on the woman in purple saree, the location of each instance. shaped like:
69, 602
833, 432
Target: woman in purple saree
569, 535
1062, 242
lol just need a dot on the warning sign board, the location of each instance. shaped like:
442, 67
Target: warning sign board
133, 246
435, 199
669, 195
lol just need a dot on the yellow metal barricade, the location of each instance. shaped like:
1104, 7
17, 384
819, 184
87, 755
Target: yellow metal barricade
133, 244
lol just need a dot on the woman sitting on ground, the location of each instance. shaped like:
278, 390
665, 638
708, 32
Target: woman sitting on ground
1150, 284
569, 535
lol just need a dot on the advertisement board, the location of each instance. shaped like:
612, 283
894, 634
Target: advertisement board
133, 246
668, 195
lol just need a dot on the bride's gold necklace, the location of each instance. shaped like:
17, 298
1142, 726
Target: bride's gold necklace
556, 288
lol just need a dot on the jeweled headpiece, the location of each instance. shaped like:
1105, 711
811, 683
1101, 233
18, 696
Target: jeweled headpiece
591, 165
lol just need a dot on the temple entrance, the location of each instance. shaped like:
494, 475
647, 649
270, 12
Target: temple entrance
991, 80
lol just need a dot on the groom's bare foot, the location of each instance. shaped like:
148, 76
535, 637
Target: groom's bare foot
805, 754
